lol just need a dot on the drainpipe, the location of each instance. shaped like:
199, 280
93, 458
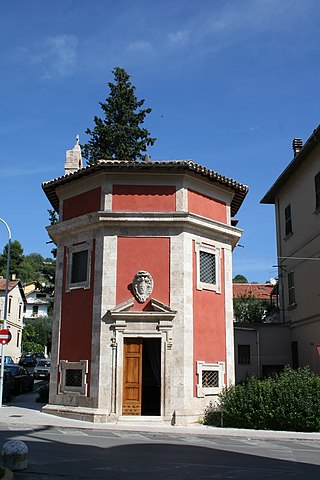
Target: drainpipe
114, 375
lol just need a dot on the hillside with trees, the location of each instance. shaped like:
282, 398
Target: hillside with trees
28, 268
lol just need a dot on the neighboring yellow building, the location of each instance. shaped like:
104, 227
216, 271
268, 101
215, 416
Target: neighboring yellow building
16, 302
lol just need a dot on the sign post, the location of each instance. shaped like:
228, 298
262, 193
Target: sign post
5, 336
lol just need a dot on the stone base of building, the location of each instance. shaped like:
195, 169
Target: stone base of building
77, 413
183, 417
179, 417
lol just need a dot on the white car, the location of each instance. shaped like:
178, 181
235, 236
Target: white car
42, 369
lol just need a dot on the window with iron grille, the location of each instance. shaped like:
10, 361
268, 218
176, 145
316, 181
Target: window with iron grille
244, 354
79, 259
207, 268
79, 269
291, 289
210, 378
73, 377
288, 220
317, 190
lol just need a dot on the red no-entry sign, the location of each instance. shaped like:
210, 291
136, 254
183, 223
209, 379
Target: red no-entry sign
5, 336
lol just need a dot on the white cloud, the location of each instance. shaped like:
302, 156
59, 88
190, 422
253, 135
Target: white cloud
141, 46
17, 171
178, 38
55, 57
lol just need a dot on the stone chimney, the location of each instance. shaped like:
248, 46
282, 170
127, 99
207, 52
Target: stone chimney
73, 158
296, 145
13, 276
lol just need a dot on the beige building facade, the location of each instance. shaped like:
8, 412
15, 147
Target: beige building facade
296, 196
16, 302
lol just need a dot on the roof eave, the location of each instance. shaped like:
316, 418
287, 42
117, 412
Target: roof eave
313, 140
188, 166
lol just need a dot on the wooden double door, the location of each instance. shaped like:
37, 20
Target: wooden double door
141, 376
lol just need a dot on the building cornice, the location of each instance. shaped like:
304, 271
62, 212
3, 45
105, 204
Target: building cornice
149, 220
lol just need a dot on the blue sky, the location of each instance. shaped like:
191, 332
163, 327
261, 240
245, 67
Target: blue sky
231, 83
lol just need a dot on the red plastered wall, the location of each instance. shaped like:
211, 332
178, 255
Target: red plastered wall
144, 198
206, 206
80, 204
209, 323
76, 320
143, 253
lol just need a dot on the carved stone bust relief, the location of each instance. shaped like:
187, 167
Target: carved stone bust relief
142, 285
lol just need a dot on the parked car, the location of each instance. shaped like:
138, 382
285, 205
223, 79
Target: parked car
7, 360
38, 356
22, 379
27, 361
42, 369
8, 386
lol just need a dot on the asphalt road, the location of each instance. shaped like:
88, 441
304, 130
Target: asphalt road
62, 453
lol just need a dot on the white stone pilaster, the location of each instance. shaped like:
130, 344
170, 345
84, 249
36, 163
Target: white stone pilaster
181, 300
230, 373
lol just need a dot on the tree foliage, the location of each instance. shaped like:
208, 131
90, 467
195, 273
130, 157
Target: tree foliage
36, 334
28, 268
240, 279
119, 135
248, 309
16, 259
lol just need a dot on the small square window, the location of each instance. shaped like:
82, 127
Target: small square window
244, 354
78, 266
210, 378
73, 377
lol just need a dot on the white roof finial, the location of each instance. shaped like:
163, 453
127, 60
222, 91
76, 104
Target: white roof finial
73, 158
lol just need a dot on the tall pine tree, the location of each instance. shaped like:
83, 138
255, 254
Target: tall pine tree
119, 135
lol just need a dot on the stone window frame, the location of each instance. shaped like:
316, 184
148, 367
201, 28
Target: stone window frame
79, 247
213, 250
217, 367
64, 365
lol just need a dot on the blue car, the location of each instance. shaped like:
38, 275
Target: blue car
7, 360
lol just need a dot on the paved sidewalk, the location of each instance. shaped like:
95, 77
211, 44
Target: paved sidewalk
25, 413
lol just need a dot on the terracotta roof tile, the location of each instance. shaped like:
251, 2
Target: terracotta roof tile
11, 284
257, 290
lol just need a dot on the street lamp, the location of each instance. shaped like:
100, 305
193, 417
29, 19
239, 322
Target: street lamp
5, 309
